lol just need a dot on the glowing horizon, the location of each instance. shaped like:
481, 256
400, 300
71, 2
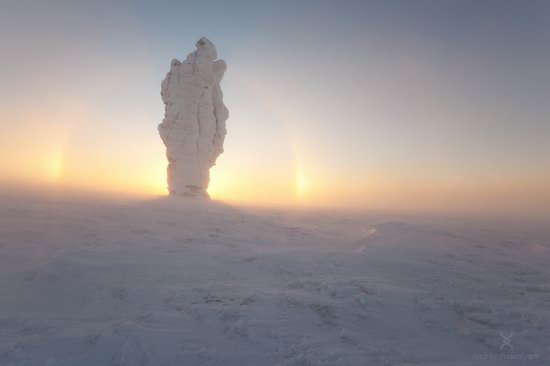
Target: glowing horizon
355, 105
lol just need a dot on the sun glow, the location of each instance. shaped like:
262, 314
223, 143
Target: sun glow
53, 166
301, 185
156, 182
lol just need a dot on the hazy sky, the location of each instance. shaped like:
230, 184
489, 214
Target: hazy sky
376, 104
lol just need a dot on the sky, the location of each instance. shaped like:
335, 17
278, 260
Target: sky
394, 104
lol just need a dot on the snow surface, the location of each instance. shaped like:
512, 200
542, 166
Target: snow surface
178, 282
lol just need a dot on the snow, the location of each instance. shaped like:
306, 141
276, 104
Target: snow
193, 128
172, 281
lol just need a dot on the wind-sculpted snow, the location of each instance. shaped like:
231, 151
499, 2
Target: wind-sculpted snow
193, 128
199, 283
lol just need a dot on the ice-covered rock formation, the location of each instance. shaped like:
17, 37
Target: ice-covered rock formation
193, 128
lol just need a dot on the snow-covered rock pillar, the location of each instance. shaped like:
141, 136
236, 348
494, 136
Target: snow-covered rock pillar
193, 128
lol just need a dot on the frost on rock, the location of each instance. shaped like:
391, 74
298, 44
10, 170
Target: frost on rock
193, 128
